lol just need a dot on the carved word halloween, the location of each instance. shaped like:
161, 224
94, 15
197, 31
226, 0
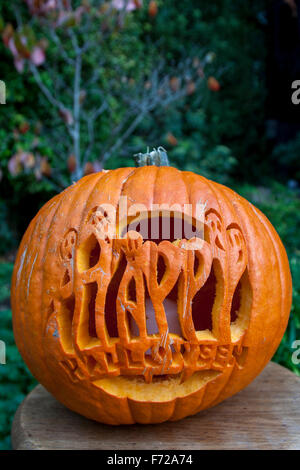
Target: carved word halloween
211, 357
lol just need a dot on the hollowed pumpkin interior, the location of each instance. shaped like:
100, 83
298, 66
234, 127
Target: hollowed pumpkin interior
167, 225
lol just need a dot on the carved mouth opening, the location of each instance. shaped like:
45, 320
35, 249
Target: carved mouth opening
162, 388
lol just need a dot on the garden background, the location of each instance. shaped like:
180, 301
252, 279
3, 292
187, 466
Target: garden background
90, 83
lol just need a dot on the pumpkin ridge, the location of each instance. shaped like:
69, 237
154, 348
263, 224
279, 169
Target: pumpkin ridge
276, 244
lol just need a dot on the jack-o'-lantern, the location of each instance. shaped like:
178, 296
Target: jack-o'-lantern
123, 327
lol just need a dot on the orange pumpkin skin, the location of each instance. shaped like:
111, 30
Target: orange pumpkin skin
109, 379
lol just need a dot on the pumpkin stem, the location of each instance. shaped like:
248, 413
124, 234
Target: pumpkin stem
157, 157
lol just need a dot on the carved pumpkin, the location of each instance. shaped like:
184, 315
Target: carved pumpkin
126, 330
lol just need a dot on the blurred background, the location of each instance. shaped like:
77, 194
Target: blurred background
89, 83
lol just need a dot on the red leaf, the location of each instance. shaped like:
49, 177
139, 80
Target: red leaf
213, 84
172, 139
24, 127
71, 163
7, 34
89, 168
153, 9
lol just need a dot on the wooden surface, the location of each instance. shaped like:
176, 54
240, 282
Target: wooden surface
266, 415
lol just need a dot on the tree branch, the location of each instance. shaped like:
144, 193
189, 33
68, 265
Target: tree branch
91, 130
123, 137
76, 113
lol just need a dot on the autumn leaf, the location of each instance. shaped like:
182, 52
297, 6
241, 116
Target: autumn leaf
71, 163
213, 84
21, 48
89, 168
153, 9
172, 139
24, 127
45, 167
7, 34
174, 83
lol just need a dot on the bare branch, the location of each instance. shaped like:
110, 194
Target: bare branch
123, 137
76, 113
158, 96
91, 130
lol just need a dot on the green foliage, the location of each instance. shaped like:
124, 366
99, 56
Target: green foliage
286, 157
15, 379
6, 235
